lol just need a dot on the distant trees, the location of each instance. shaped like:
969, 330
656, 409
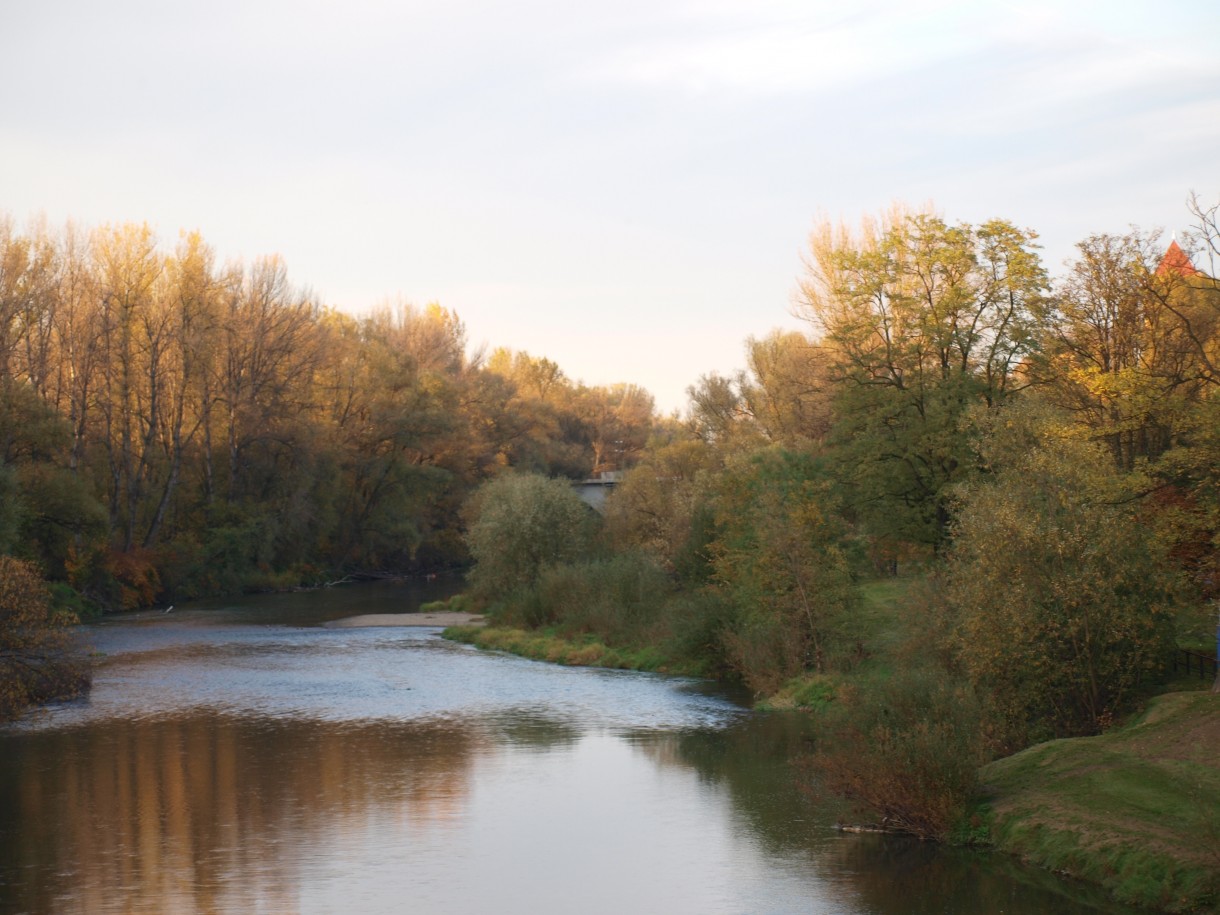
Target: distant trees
236, 433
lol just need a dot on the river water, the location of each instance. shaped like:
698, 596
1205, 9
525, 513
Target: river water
241, 757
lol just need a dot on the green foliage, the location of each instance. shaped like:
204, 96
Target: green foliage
520, 525
812, 691
37, 661
459, 603
45, 509
921, 320
779, 557
907, 751
1063, 596
618, 597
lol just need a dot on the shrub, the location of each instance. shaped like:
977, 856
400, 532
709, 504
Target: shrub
907, 751
521, 524
1064, 599
37, 662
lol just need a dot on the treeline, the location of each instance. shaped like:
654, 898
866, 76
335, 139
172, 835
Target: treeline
1041, 455
172, 427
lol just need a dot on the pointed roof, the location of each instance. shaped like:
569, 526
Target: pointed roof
1176, 261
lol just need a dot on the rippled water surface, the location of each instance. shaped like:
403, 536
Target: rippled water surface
242, 758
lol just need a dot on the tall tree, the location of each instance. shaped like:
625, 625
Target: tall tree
921, 320
1120, 355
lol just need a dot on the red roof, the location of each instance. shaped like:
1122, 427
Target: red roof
1176, 261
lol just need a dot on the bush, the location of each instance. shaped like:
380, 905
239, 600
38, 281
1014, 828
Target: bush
1064, 599
522, 524
618, 597
37, 663
907, 751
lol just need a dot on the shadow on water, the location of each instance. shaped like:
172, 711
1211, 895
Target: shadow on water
757, 760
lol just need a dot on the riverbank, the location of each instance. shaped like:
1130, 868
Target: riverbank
544, 645
1136, 810
442, 619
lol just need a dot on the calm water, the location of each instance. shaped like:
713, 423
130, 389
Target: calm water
243, 758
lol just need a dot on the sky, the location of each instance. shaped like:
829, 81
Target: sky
625, 188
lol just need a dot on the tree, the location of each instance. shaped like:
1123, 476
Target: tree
521, 524
663, 505
1063, 596
921, 320
788, 388
1121, 354
619, 418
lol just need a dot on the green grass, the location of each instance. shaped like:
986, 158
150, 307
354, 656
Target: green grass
1197, 628
459, 603
1136, 810
575, 651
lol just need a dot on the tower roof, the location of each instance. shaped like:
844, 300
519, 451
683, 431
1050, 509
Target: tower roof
1176, 261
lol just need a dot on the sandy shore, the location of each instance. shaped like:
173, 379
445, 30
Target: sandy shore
407, 619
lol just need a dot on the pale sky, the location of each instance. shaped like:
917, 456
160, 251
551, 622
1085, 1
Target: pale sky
625, 188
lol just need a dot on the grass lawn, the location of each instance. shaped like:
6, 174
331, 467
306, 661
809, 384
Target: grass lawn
1136, 809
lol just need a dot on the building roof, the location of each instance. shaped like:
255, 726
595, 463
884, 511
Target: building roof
1176, 261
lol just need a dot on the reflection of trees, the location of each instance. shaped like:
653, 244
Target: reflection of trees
900, 875
751, 760
535, 730
888, 875
204, 813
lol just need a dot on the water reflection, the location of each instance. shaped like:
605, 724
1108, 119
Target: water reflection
224, 766
182, 812
882, 875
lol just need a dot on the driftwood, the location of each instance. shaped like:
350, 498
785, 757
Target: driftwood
862, 827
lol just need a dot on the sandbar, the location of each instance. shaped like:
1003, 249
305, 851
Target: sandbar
407, 619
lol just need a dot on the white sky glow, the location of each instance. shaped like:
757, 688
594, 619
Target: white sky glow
624, 189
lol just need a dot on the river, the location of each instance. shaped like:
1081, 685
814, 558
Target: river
241, 757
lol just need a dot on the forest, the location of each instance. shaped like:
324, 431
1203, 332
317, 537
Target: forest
954, 417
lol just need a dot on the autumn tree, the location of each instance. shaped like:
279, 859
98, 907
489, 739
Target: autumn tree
921, 320
619, 419
779, 554
788, 388
1063, 595
664, 505
1121, 350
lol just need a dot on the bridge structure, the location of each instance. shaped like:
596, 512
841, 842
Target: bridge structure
594, 490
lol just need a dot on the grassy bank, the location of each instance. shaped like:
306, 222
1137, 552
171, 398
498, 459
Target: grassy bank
585, 651
1136, 810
